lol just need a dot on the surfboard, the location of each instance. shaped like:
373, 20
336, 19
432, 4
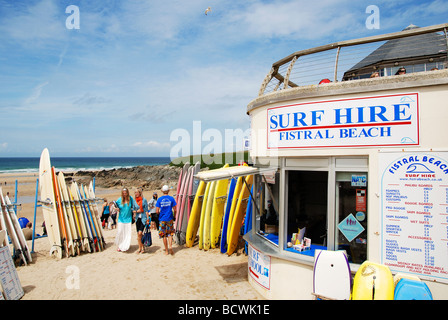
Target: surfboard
410, 289
181, 213
208, 216
331, 275
49, 207
77, 211
67, 243
230, 192
373, 281
195, 215
91, 214
3, 242
179, 192
11, 230
71, 211
219, 202
85, 216
181, 200
18, 229
238, 215
68, 213
238, 186
91, 194
202, 218
248, 217
193, 187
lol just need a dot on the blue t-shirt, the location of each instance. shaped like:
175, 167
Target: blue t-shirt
166, 204
125, 215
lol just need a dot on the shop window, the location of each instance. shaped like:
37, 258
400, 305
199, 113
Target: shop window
351, 215
306, 203
267, 200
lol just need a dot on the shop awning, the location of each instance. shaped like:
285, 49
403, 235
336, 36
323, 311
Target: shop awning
232, 172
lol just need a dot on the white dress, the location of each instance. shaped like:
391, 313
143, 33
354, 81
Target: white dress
123, 237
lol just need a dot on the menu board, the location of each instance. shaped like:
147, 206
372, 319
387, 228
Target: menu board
9, 279
414, 213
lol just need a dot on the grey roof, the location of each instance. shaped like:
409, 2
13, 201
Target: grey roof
429, 44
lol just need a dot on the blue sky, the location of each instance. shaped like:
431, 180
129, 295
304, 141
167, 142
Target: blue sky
137, 70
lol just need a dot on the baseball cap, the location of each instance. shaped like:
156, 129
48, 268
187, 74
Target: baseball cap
165, 188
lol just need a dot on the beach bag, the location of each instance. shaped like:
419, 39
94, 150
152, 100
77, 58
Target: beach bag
146, 238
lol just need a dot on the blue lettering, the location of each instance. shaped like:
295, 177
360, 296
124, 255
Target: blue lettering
282, 125
402, 111
348, 115
297, 119
274, 122
380, 113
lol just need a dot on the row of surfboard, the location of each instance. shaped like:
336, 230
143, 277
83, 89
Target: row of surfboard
70, 213
211, 212
372, 281
11, 231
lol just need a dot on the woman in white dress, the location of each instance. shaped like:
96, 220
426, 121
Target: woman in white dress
124, 220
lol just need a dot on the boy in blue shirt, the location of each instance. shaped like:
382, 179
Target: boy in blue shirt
166, 208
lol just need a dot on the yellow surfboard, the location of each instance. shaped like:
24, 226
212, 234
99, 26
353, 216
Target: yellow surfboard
236, 194
202, 219
195, 214
373, 281
208, 216
218, 210
238, 215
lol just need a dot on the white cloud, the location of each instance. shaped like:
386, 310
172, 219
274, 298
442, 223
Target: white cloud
151, 144
35, 23
37, 91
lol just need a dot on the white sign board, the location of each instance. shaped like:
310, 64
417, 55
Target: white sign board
414, 213
259, 267
388, 120
9, 279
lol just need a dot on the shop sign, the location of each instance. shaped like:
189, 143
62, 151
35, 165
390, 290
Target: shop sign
387, 120
414, 213
259, 267
350, 227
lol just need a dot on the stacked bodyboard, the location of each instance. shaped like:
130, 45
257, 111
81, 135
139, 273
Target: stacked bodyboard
70, 213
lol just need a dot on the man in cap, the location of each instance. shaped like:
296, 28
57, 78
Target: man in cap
166, 209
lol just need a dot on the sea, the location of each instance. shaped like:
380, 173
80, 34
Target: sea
31, 165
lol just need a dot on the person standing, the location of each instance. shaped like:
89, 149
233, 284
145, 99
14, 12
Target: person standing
166, 208
153, 212
141, 218
124, 220
106, 213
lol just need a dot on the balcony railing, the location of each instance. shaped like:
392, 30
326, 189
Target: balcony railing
414, 49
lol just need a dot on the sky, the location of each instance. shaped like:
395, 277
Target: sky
138, 77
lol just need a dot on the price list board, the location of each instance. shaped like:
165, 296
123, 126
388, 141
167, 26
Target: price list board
414, 213
9, 279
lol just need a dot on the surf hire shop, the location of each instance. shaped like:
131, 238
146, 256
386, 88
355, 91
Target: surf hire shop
357, 168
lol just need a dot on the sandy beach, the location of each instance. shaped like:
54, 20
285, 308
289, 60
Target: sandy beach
189, 273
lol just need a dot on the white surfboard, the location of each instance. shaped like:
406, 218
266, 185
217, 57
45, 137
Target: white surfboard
11, 230
18, 230
49, 209
332, 276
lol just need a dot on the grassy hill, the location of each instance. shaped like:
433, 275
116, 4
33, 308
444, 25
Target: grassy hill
213, 161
